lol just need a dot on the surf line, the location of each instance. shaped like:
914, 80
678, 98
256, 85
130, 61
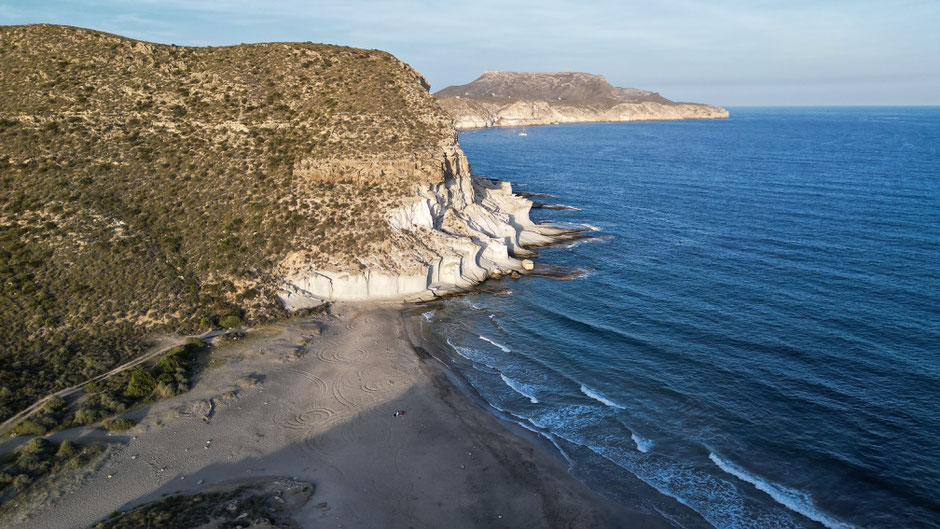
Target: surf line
600, 398
505, 348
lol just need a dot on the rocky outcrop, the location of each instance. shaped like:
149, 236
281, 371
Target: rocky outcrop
511, 99
467, 228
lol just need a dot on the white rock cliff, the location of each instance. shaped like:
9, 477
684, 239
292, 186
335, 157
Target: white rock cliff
471, 229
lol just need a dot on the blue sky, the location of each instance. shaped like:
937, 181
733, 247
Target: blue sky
723, 52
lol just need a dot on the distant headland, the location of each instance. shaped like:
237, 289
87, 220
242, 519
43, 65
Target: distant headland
513, 99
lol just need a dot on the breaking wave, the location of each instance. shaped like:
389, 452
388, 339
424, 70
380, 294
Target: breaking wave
600, 398
643, 445
505, 348
520, 388
792, 499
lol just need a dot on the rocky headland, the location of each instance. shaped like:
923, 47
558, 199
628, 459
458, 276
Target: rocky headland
151, 188
514, 99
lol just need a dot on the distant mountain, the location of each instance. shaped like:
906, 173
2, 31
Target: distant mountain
511, 99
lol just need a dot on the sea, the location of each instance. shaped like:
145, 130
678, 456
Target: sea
752, 338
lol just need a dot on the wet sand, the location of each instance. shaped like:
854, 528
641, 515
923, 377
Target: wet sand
323, 411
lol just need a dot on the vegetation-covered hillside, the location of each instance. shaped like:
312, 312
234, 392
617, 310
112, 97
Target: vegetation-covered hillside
148, 187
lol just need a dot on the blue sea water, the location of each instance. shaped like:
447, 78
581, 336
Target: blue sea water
757, 340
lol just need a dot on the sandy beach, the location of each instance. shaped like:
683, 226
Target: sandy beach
322, 410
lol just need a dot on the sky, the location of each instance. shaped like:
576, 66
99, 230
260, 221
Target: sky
723, 52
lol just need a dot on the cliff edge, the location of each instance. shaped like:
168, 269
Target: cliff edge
513, 99
150, 188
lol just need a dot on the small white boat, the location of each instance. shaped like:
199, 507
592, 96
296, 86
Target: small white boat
523, 133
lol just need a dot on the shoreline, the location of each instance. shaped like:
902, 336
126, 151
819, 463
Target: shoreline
323, 413
556, 462
604, 121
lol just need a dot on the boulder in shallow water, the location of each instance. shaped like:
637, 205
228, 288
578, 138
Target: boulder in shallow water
528, 265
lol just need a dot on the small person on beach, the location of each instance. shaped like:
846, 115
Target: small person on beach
398, 413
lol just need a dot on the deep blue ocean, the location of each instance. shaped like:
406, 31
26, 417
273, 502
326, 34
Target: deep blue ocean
756, 342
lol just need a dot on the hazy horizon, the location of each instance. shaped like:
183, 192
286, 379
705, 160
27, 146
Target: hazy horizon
729, 53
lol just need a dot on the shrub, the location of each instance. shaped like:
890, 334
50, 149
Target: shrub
36, 446
22, 482
165, 390
230, 321
173, 360
141, 383
67, 449
29, 427
86, 416
119, 425
33, 463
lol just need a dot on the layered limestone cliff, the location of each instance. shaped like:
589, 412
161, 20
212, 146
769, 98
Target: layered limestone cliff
512, 99
467, 229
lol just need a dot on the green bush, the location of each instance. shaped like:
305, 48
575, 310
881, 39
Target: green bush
230, 321
85, 416
173, 360
141, 383
67, 449
39, 459
29, 427
119, 425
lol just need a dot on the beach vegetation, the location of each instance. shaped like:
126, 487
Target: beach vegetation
39, 461
238, 507
169, 376
230, 321
119, 425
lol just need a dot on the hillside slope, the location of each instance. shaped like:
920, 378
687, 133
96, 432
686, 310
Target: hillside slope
150, 187
512, 99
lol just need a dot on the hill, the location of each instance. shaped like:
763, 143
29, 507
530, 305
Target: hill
149, 188
511, 99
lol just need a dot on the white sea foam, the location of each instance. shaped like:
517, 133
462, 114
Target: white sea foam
599, 398
555, 205
466, 301
643, 445
505, 348
716, 499
520, 388
471, 354
794, 500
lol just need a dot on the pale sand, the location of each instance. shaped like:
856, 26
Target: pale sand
326, 417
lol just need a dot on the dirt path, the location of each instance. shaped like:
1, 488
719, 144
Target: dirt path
164, 344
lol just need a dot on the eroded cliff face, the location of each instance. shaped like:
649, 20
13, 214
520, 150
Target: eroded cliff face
463, 229
513, 99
